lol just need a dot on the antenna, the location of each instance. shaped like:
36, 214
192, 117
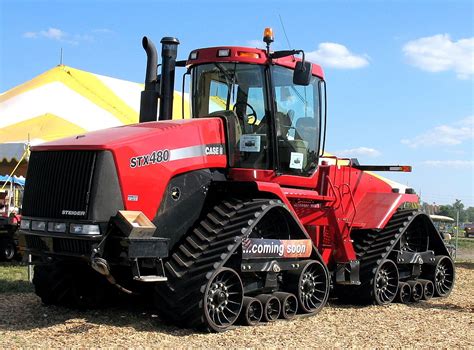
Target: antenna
61, 57
284, 31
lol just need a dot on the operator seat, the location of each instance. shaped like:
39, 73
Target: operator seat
306, 130
234, 128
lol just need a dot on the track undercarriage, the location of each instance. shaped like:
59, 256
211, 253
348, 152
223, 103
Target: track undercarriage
407, 261
212, 285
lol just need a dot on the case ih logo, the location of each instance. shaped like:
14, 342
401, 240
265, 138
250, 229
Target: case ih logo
214, 150
74, 212
276, 248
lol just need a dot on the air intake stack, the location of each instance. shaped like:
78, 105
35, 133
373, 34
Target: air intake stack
169, 52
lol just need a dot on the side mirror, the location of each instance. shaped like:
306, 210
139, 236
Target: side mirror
302, 73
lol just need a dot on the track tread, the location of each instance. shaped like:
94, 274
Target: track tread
206, 248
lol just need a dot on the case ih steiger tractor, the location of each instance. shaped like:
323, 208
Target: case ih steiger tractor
233, 216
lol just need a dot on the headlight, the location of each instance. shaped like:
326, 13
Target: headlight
57, 227
84, 229
38, 225
25, 224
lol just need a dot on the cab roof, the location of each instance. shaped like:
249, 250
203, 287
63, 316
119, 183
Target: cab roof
243, 55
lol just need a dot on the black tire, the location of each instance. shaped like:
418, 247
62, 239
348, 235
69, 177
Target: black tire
271, 307
251, 313
416, 291
428, 289
385, 283
442, 274
310, 285
404, 293
223, 299
8, 250
289, 305
70, 285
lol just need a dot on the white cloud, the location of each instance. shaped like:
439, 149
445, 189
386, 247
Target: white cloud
446, 135
30, 35
359, 152
64, 37
52, 34
440, 53
337, 56
458, 164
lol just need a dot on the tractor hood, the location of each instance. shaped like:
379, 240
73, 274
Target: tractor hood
179, 133
148, 155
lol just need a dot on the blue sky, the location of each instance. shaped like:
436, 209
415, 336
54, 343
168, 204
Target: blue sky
399, 73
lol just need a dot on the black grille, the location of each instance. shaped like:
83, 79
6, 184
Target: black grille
58, 184
74, 246
36, 243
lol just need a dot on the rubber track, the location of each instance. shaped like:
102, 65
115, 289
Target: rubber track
373, 247
200, 254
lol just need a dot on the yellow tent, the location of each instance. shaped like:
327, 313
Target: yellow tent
62, 102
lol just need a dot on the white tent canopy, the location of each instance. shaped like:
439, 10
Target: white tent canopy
65, 101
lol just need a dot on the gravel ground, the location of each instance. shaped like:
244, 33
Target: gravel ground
442, 323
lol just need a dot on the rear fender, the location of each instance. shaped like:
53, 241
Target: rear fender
375, 209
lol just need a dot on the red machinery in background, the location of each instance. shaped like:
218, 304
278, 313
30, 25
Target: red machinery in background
235, 215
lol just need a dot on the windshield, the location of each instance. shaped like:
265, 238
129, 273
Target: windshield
297, 118
237, 89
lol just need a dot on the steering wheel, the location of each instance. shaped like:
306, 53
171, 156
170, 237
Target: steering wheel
253, 114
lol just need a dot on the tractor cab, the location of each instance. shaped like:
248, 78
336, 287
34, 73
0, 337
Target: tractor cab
275, 118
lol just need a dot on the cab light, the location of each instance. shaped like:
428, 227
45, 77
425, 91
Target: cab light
403, 168
24, 224
248, 54
57, 227
193, 55
79, 229
268, 35
38, 225
223, 53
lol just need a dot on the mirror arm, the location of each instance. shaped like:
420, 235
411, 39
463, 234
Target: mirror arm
285, 53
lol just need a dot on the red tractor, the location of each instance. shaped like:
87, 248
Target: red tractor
233, 216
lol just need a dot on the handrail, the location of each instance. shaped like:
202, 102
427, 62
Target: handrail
353, 204
335, 193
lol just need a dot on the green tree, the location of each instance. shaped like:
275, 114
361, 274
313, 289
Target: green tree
470, 214
447, 210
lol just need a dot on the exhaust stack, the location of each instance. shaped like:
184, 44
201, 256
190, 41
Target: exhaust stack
149, 96
169, 52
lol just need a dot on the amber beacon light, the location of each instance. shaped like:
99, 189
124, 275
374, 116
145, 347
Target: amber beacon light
268, 36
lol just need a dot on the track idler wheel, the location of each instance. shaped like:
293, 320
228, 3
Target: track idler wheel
223, 299
271, 307
385, 283
441, 273
428, 289
310, 285
252, 312
404, 293
416, 291
289, 305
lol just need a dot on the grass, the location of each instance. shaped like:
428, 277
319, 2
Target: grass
14, 278
466, 243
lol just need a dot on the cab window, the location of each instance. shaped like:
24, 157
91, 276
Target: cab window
236, 92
